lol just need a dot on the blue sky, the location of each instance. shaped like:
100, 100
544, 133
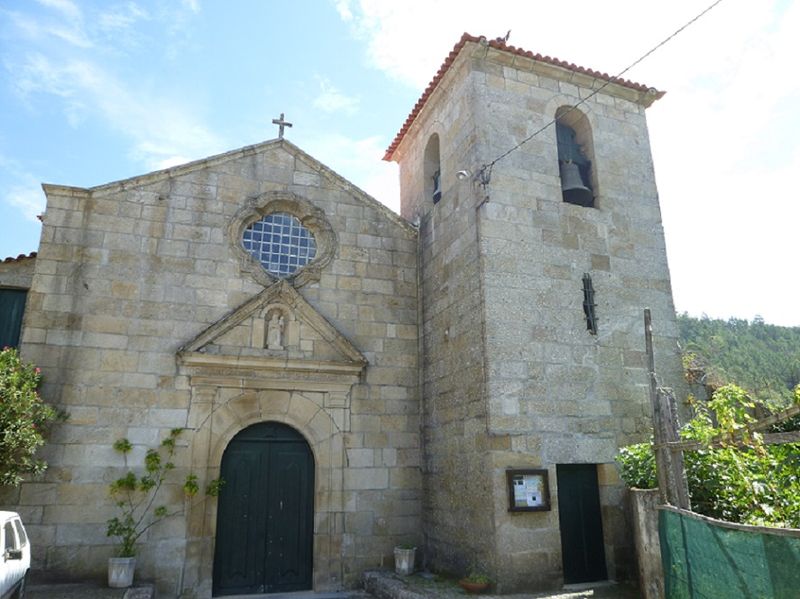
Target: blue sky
92, 92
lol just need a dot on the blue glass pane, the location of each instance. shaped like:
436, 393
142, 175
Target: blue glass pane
280, 243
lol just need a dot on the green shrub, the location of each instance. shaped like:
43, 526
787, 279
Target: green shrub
135, 494
24, 418
751, 483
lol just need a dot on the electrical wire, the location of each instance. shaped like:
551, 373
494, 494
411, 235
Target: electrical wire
485, 172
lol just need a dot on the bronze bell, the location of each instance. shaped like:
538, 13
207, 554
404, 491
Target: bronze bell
572, 187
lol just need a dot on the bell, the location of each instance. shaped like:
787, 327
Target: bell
572, 187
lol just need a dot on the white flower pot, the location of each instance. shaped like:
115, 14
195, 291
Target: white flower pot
120, 572
404, 560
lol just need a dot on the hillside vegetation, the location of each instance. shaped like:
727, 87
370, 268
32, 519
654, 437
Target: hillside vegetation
762, 358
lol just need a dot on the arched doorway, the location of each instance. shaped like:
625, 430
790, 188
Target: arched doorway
265, 515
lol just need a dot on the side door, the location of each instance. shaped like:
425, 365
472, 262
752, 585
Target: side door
580, 521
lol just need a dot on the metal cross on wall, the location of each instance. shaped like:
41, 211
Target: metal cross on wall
281, 124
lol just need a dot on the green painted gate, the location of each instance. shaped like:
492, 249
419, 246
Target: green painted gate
579, 519
264, 537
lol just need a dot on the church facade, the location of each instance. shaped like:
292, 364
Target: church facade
458, 378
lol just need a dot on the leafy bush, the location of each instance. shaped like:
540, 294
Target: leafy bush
750, 484
638, 466
24, 418
136, 494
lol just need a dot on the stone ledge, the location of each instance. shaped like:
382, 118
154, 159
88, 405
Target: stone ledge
86, 590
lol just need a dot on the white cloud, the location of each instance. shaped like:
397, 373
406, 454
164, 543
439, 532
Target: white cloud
193, 5
67, 8
30, 200
332, 100
25, 194
343, 8
359, 161
67, 25
159, 130
121, 17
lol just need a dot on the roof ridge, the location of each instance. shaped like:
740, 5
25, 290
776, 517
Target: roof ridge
18, 258
499, 44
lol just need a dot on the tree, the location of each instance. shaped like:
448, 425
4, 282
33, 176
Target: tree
24, 418
135, 495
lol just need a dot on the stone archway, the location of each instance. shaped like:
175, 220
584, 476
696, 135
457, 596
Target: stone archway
217, 415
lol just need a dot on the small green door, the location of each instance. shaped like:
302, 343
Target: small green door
579, 518
265, 513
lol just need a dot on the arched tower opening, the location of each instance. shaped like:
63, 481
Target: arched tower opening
575, 157
432, 171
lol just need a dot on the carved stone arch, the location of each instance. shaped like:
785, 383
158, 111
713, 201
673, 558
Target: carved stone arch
291, 408
559, 101
309, 215
235, 410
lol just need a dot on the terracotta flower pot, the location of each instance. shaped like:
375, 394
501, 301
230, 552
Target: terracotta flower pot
473, 588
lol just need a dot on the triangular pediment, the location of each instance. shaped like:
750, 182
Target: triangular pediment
275, 330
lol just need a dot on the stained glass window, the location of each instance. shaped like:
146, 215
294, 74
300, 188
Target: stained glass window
281, 243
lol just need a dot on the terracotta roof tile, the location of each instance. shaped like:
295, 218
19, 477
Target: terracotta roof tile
19, 258
499, 44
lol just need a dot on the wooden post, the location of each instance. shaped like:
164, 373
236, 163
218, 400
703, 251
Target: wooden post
662, 455
679, 487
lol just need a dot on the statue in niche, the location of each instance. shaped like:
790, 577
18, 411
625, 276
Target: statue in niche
275, 331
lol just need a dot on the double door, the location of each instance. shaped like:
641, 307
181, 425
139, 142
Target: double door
264, 537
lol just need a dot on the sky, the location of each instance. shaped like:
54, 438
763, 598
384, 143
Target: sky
96, 91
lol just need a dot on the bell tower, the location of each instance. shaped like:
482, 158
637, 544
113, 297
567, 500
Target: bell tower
541, 243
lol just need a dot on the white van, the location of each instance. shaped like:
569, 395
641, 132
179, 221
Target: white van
16, 556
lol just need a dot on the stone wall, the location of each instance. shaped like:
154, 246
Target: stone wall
17, 272
129, 273
457, 511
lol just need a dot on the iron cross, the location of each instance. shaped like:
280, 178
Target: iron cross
281, 124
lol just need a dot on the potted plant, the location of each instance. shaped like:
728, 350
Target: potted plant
475, 582
404, 559
135, 497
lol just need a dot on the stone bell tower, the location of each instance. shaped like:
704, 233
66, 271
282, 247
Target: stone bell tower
538, 253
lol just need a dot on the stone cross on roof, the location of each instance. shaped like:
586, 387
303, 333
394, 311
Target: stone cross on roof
281, 124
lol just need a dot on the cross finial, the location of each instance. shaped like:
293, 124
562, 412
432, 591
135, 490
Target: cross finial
281, 124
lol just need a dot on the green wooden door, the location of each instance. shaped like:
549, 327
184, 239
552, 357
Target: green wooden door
265, 513
579, 518
12, 306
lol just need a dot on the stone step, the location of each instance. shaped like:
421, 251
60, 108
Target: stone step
85, 590
388, 585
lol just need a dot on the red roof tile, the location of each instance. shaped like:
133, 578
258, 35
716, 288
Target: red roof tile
20, 257
498, 44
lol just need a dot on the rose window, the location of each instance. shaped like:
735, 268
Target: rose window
281, 243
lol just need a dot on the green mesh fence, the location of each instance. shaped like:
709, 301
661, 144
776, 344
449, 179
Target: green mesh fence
704, 560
